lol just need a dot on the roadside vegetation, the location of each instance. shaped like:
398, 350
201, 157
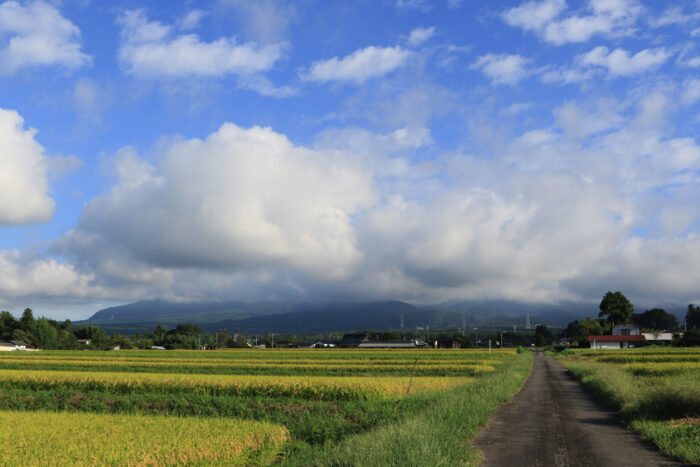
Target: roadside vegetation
325, 407
655, 389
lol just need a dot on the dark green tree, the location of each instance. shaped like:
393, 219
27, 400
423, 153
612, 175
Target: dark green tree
656, 318
543, 336
46, 336
27, 320
616, 307
8, 324
692, 317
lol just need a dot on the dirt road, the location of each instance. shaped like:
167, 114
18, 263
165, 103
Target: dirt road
553, 421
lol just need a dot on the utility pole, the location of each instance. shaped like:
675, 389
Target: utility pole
272, 346
476, 337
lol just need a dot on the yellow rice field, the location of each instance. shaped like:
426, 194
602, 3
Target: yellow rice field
321, 387
46, 438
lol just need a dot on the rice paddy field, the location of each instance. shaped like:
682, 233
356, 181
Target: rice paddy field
251, 407
656, 390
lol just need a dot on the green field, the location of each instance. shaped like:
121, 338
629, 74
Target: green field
252, 407
656, 390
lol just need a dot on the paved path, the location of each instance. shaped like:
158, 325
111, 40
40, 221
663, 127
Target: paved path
554, 421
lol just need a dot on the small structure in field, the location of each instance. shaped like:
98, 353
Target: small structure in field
451, 343
615, 341
7, 347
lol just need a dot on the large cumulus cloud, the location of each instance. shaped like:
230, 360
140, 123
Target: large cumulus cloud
241, 199
24, 183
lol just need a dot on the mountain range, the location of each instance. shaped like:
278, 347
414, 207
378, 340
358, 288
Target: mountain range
301, 317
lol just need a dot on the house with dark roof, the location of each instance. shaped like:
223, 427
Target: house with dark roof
354, 339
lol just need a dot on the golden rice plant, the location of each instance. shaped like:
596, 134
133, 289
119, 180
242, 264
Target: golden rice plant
306, 387
50, 438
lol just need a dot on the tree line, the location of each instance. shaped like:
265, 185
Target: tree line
615, 308
49, 334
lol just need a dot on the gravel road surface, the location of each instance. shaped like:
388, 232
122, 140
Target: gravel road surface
554, 421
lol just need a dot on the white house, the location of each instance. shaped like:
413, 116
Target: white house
12, 345
618, 341
661, 336
625, 330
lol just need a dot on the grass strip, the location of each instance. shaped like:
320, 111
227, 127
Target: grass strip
437, 435
652, 405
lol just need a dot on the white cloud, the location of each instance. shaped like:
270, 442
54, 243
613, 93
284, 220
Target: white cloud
89, 100
191, 20
691, 91
358, 67
264, 21
673, 16
693, 62
612, 18
534, 15
22, 276
24, 183
619, 62
420, 35
503, 68
150, 49
241, 199
37, 35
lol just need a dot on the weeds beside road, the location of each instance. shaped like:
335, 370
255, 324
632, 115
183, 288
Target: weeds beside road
656, 391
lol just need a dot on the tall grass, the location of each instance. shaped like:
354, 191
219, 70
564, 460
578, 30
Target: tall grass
438, 435
658, 398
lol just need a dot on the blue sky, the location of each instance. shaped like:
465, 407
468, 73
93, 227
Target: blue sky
540, 151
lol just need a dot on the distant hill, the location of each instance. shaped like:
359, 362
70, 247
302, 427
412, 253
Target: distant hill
163, 312
349, 317
321, 317
278, 317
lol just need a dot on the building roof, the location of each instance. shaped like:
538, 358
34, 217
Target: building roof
609, 338
354, 338
20, 343
388, 345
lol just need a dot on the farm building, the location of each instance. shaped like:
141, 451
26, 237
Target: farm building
354, 340
451, 343
12, 345
633, 330
389, 345
615, 341
660, 336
